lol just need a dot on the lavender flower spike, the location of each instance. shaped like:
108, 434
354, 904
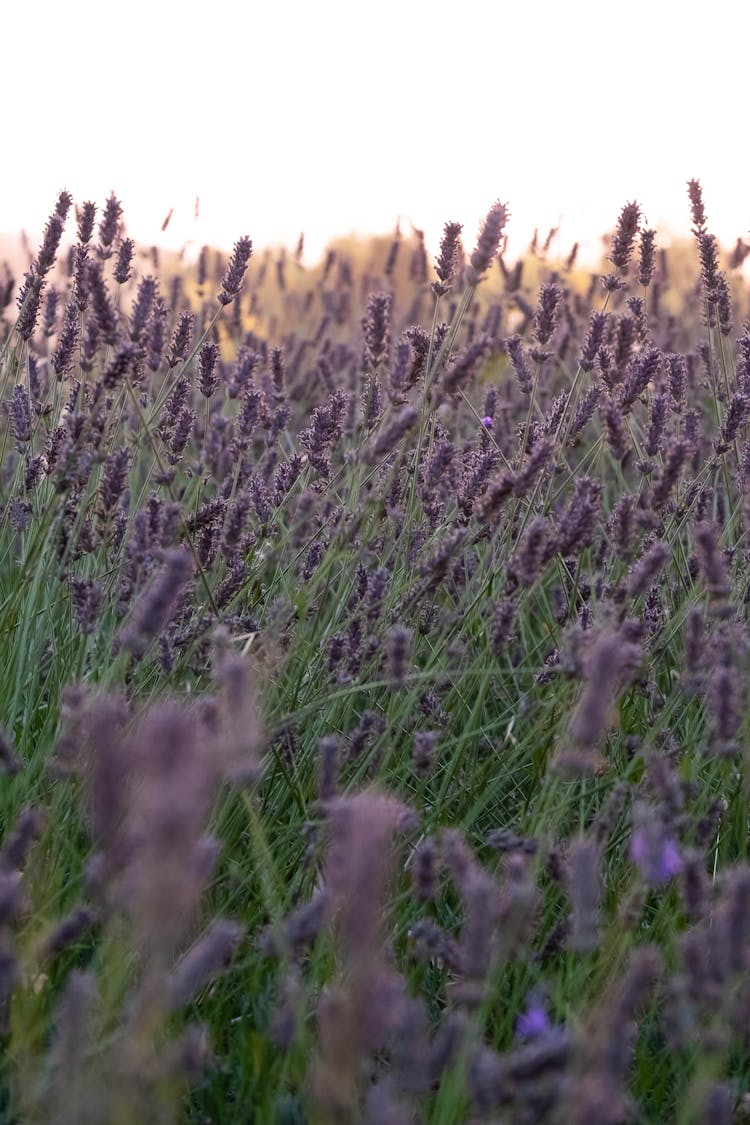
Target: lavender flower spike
235, 273
534, 1021
109, 225
652, 849
152, 612
487, 243
627, 228
445, 265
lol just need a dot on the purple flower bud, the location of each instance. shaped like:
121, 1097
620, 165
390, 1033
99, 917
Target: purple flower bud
181, 434
235, 271
124, 261
515, 350
376, 328
398, 643
711, 561
142, 307
86, 216
648, 257
209, 957
425, 743
120, 365
654, 852
487, 243
584, 884
534, 1021
81, 286
547, 314
50, 312
391, 435
108, 227
103, 310
463, 366
181, 339
114, 473
50, 242
208, 379
153, 612
697, 211
737, 411
446, 262
20, 415
627, 228
86, 597
29, 300
643, 574
155, 334
425, 869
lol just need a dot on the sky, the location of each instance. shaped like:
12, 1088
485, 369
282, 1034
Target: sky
332, 117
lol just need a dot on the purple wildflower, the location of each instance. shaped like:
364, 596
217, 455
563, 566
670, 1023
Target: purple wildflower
627, 228
50, 243
142, 307
29, 300
155, 607
648, 257
398, 644
181, 339
209, 957
514, 348
235, 272
488, 243
109, 225
534, 1021
208, 379
446, 263
547, 314
123, 265
20, 416
376, 328
86, 217
652, 849
697, 210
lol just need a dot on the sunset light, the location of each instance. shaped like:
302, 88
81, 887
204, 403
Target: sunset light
335, 118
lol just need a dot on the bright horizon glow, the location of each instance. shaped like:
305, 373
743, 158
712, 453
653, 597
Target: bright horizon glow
319, 118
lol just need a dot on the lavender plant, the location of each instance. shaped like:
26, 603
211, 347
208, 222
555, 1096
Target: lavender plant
372, 731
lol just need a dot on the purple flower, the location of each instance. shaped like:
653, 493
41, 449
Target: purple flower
376, 329
648, 257
627, 228
124, 262
697, 209
534, 1021
547, 314
20, 415
181, 339
487, 420
653, 851
28, 302
109, 225
235, 271
86, 217
445, 267
487, 242
208, 379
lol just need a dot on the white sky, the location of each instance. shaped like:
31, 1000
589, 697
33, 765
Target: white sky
333, 116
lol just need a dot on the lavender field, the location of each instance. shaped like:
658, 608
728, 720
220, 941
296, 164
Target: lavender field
373, 737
